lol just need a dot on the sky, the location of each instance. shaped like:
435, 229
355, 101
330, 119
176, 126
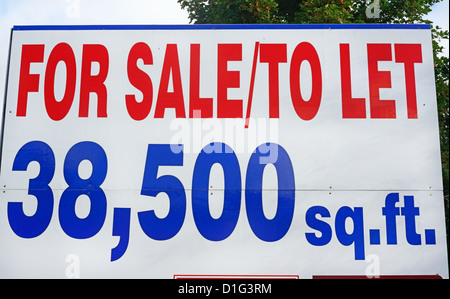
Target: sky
61, 12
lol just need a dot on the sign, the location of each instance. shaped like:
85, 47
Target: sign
221, 150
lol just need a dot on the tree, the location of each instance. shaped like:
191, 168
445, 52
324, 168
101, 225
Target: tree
306, 11
231, 11
362, 11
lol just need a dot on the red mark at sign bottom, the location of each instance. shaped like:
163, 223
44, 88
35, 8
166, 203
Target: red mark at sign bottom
199, 276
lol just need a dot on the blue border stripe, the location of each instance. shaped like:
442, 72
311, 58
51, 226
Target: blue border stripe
219, 27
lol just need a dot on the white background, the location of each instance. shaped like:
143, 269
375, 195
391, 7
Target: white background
352, 162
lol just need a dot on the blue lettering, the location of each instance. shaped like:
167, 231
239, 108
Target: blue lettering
70, 223
209, 227
32, 226
121, 228
410, 212
391, 212
357, 235
168, 227
270, 230
319, 225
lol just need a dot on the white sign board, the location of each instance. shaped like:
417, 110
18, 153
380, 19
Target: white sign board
161, 151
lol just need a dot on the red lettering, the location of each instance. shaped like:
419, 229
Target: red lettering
57, 110
140, 80
168, 99
228, 108
379, 79
306, 110
273, 54
409, 54
351, 107
203, 106
94, 83
28, 82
